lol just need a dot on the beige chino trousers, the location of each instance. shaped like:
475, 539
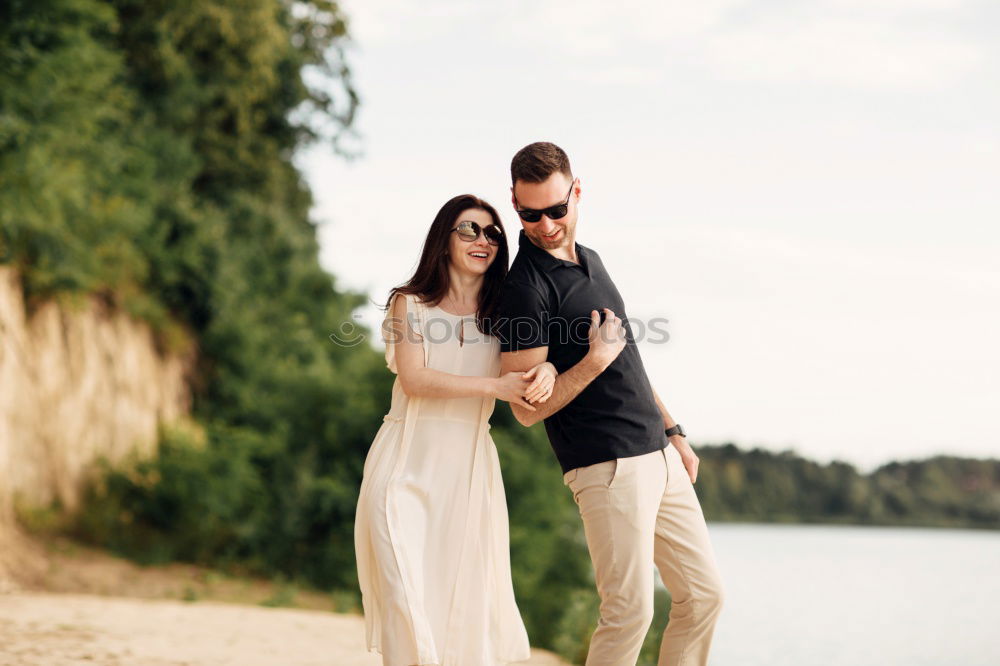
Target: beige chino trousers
639, 512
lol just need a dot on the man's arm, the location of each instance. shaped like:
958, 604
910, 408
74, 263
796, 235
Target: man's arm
668, 421
688, 456
567, 386
606, 341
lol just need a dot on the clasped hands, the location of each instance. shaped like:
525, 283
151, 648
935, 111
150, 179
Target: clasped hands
524, 388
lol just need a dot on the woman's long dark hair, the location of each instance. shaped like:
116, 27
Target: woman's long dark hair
431, 280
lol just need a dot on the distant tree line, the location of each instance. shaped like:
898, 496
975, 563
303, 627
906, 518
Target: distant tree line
760, 485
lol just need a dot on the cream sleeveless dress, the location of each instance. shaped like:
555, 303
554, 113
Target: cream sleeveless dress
431, 532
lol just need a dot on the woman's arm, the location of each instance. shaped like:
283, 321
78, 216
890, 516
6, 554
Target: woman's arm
419, 380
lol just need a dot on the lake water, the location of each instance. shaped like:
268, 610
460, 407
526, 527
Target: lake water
815, 595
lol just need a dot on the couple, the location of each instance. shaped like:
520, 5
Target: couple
551, 338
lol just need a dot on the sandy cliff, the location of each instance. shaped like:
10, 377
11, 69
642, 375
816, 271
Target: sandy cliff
75, 383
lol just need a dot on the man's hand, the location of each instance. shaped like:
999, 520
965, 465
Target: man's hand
607, 340
680, 443
688, 456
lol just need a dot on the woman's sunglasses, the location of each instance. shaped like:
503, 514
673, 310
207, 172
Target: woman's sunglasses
469, 232
556, 212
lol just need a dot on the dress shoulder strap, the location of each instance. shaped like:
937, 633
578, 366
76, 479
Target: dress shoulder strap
416, 315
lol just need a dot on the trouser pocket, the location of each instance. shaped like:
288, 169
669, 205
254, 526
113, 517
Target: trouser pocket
605, 474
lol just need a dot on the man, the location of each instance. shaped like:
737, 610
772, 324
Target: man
626, 461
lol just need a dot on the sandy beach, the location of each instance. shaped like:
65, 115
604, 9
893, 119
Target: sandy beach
82, 605
47, 629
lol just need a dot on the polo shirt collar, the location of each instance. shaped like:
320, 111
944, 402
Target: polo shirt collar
546, 261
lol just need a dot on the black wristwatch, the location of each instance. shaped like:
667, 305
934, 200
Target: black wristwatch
675, 430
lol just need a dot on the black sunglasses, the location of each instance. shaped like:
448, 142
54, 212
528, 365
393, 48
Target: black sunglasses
469, 232
552, 212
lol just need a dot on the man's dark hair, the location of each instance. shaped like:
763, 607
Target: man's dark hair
537, 161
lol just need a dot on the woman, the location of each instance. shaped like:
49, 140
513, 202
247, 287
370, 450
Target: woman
431, 534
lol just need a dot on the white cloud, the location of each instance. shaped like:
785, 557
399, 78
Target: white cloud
593, 28
575, 27
625, 76
901, 6
861, 43
842, 51
375, 23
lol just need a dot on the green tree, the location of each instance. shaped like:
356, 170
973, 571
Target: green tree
146, 155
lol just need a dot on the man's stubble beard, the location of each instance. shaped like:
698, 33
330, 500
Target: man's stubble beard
566, 240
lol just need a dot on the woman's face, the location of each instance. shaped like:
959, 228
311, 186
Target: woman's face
473, 257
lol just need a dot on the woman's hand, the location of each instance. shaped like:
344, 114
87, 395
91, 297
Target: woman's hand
512, 387
544, 380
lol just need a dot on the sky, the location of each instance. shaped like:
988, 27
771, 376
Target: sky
807, 191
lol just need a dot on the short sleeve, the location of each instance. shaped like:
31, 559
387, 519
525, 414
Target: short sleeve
523, 315
414, 312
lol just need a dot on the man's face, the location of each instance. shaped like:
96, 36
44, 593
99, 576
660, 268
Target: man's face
547, 233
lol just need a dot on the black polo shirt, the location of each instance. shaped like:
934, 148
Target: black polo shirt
547, 301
